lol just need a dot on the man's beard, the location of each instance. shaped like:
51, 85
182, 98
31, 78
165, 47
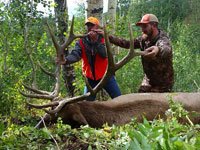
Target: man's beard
148, 36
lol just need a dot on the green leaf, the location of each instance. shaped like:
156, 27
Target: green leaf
182, 145
166, 136
145, 145
190, 134
197, 144
143, 129
141, 139
2, 128
89, 147
179, 143
134, 145
138, 135
86, 135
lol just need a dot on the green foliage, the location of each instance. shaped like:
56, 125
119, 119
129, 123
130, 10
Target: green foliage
131, 72
156, 135
122, 26
8, 90
15, 63
122, 7
16, 137
186, 58
167, 11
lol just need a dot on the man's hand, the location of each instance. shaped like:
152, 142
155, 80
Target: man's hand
63, 59
93, 36
99, 31
152, 51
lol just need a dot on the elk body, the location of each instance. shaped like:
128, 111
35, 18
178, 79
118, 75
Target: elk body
122, 109
119, 111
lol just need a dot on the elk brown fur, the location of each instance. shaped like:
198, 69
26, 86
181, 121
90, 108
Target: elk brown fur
123, 109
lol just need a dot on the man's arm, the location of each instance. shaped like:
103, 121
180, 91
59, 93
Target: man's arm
120, 41
164, 47
75, 55
161, 50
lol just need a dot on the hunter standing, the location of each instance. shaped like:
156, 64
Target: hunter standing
92, 51
157, 63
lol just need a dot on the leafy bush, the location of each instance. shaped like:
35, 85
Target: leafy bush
187, 58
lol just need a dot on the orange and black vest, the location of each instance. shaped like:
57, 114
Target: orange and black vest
100, 64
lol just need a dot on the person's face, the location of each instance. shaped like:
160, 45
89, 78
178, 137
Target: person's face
147, 29
90, 26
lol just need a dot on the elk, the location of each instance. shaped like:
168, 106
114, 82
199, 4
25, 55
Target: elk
75, 111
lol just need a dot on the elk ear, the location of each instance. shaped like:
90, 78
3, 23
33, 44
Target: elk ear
78, 117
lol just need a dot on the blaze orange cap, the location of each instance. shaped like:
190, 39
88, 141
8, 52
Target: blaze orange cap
147, 19
92, 20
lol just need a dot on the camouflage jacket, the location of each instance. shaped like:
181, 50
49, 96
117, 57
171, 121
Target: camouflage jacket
159, 70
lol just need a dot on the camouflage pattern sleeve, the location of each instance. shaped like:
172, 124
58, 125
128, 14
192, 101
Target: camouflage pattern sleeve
75, 55
119, 41
165, 49
123, 42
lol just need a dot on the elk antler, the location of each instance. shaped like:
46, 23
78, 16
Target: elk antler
112, 67
39, 94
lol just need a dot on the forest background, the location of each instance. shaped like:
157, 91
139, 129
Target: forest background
24, 41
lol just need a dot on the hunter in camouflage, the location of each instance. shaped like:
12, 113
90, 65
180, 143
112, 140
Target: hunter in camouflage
158, 65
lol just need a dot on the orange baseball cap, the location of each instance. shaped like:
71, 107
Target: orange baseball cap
92, 20
147, 19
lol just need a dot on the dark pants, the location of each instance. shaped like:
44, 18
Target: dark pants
111, 87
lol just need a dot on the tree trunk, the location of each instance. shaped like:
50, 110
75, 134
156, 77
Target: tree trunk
112, 5
61, 13
94, 8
